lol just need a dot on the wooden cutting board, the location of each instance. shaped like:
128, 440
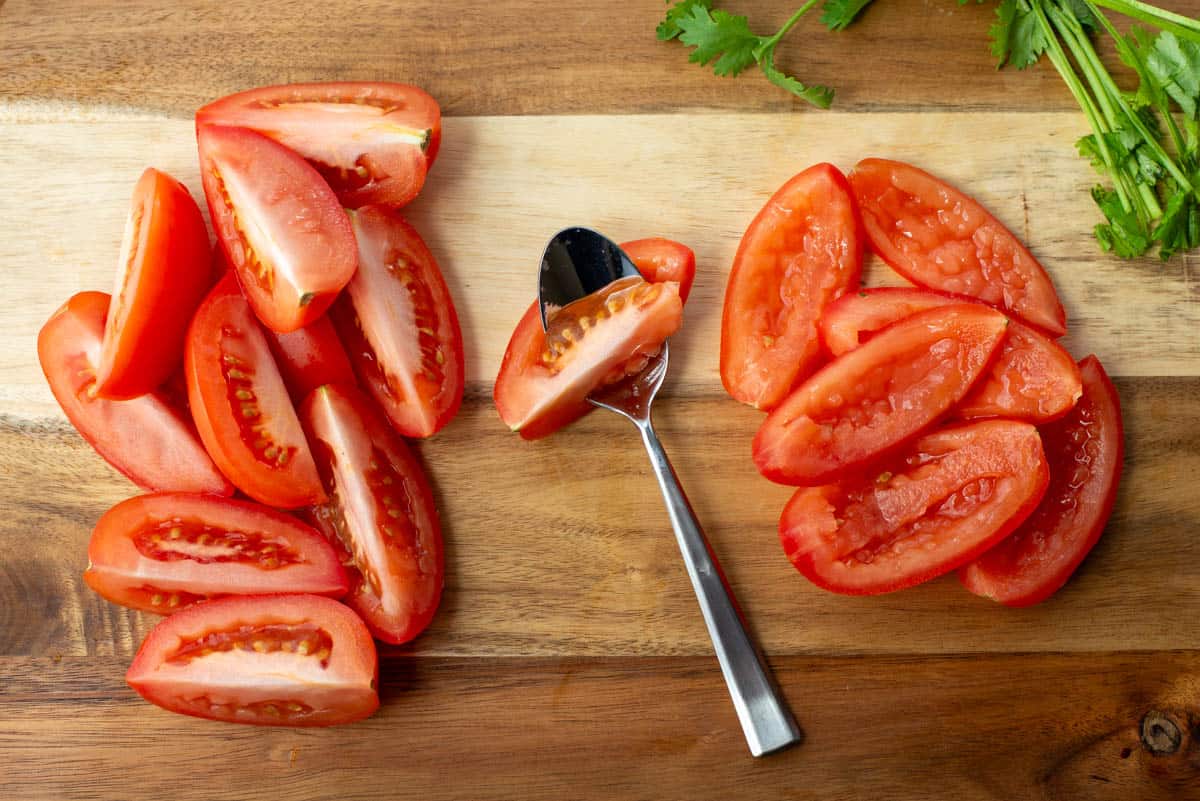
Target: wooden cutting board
568, 659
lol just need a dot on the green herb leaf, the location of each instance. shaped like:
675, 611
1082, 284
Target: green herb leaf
1179, 227
1175, 65
720, 36
1123, 234
1016, 37
837, 14
1081, 11
669, 28
819, 96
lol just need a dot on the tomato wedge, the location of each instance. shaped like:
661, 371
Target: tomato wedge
373, 142
1033, 378
166, 551
241, 406
382, 509
877, 397
399, 325
522, 372
940, 503
310, 357
149, 439
802, 251
1086, 450
939, 238
279, 224
163, 275
268, 660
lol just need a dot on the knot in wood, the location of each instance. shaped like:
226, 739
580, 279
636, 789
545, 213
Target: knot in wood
1161, 735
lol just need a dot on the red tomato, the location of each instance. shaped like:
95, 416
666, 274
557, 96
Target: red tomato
163, 552
278, 223
162, 276
373, 142
1085, 451
382, 509
1033, 378
148, 438
940, 503
310, 357
521, 372
937, 237
802, 251
241, 406
269, 660
875, 398
399, 325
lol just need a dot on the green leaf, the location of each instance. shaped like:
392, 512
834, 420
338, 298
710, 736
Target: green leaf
837, 14
1179, 227
720, 36
1128, 152
1016, 37
819, 96
669, 28
1175, 65
1123, 234
1081, 11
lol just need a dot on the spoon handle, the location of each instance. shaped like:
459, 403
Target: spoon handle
764, 715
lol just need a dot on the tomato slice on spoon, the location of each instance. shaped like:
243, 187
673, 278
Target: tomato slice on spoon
149, 438
310, 357
659, 259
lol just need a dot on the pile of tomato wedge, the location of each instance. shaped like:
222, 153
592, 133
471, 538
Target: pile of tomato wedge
286, 368
929, 429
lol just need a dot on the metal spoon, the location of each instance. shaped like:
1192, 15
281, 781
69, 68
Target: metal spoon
578, 262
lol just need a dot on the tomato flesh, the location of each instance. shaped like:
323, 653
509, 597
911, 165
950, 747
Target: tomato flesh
877, 397
659, 259
1032, 378
372, 141
310, 357
241, 406
939, 238
1085, 450
268, 660
802, 251
279, 224
149, 438
937, 505
165, 551
381, 507
399, 325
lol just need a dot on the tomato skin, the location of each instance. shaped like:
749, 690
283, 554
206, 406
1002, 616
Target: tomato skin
148, 549
937, 237
163, 275
278, 660
940, 503
874, 399
226, 346
149, 439
1032, 378
1086, 451
659, 259
310, 357
398, 322
802, 251
381, 507
278, 223
338, 142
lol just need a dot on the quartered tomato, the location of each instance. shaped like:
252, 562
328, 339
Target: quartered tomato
166, 551
522, 371
269, 660
241, 406
149, 439
381, 507
310, 357
878, 396
279, 224
1085, 450
938, 504
939, 238
373, 142
1032, 378
399, 325
162, 276
801, 252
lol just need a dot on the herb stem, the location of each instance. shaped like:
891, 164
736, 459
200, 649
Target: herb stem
787, 26
1152, 15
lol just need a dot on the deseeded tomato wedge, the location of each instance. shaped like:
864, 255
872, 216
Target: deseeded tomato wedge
310, 357
268, 660
148, 438
399, 325
382, 509
940, 503
802, 251
373, 142
279, 224
163, 552
877, 397
939, 238
241, 406
1086, 451
162, 276
522, 371
1032, 378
